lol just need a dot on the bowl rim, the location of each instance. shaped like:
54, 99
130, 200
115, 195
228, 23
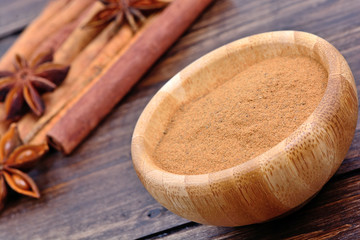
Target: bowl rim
335, 69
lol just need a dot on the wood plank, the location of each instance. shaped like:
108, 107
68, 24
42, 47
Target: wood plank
334, 213
16, 14
227, 21
75, 191
6, 43
351, 161
95, 194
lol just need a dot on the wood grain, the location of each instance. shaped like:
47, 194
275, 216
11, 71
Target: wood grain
16, 14
71, 187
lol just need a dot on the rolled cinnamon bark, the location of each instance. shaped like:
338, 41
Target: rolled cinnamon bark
54, 17
47, 32
90, 63
50, 11
55, 41
91, 51
99, 97
79, 38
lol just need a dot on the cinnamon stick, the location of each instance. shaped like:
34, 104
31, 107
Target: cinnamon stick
101, 96
34, 130
91, 51
54, 17
79, 38
86, 67
55, 23
46, 15
56, 40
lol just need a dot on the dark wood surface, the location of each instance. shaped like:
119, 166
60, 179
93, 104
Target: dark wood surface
16, 14
95, 194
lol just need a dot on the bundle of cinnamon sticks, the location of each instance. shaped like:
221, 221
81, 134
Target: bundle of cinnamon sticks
109, 45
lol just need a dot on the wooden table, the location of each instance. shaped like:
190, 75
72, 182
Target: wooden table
95, 193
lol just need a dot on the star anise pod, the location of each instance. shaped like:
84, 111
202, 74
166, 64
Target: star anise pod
117, 10
15, 157
27, 82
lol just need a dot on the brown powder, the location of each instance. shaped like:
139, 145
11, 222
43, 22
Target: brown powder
243, 117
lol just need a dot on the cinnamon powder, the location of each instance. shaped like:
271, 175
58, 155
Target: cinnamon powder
243, 117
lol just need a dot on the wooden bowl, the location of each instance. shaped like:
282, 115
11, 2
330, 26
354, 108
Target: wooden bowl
279, 180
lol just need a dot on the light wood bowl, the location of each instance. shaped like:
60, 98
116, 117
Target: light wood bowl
279, 180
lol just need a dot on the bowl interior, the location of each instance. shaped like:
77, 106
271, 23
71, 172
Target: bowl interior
214, 69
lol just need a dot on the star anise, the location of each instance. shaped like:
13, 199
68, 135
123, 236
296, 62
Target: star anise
27, 82
117, 10
15, 157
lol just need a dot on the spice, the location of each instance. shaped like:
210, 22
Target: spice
242, 118
71, 113
29, 79
117, 10
84, 69
99, 97
79, 38
13, 157
57, 39
55, 16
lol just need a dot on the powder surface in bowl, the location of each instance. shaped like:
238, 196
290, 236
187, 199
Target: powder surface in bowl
243, 117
